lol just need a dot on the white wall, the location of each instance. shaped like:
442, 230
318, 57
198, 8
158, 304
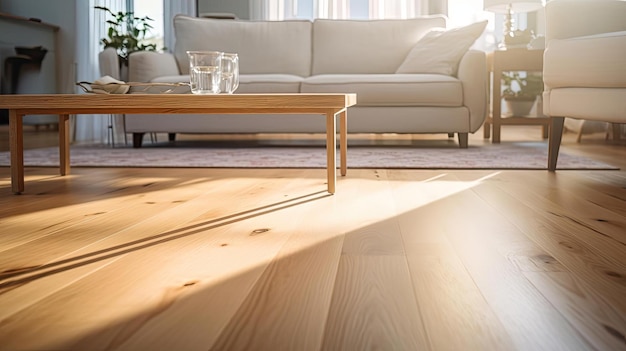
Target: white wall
61, 13
241, 8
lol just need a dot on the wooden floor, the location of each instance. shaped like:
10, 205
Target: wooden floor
220, 259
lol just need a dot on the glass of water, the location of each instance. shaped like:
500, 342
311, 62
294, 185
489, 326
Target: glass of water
205, 71
230, 73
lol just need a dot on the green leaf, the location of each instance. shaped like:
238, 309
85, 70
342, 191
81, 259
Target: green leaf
127, 33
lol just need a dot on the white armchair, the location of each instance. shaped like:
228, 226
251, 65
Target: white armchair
584, 68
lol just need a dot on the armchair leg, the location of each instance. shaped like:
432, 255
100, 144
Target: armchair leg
463, 140
554, 143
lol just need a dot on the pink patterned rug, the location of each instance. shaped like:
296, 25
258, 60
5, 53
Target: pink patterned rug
529, 155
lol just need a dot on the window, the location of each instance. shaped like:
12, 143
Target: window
464, 12
154, 10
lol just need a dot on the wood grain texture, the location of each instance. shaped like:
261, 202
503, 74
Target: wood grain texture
63, 105
569, 259
373, 307
263, 259
136, 103
600, 324
467, 288
537, 326
568, 242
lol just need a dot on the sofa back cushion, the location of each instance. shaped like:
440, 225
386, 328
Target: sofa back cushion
366, 46
440, 51
264, 47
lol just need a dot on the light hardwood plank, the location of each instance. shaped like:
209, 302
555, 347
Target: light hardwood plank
565, 240
373, 306
599, 323
571, 256
372, 230
74, 224
479, 247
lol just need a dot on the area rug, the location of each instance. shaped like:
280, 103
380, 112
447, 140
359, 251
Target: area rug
529, 155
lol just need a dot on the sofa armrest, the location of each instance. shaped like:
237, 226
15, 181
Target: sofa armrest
473, 74
576, 18
144, 66
109, 63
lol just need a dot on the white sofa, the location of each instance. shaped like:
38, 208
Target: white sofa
406, 81
584, 68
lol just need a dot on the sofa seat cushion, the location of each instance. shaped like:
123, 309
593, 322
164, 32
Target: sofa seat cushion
390, 89
248, 83
596, 61
269, 83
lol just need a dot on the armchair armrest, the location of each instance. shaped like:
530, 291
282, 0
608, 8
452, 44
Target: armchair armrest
576, 18
145, 66
595, 61
473, 74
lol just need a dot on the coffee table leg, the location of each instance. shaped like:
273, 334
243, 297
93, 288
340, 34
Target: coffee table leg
16, 145
64, 144
331, 151
343, 141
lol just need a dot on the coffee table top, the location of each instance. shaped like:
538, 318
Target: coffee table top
176, 103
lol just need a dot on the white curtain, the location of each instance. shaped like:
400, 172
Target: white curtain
333, 9
273, 10
92, 26
382, 9
337, 9
172, 8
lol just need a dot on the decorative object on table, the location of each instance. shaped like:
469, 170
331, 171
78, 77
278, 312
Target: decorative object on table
519, 38
521, 90
110, 85
513, 37
127, 33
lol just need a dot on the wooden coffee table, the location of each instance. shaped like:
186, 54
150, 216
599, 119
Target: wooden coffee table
329, 105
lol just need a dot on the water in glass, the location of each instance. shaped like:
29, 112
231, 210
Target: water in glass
205, 71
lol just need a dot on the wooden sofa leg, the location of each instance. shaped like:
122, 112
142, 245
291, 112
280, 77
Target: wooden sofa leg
137, 140
617, 131
463, 140
554, 143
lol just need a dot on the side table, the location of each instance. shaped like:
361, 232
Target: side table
518, 59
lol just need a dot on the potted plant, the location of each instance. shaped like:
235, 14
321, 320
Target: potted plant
521, 91
127, 33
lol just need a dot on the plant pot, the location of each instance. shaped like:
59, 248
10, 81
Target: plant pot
520, 106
